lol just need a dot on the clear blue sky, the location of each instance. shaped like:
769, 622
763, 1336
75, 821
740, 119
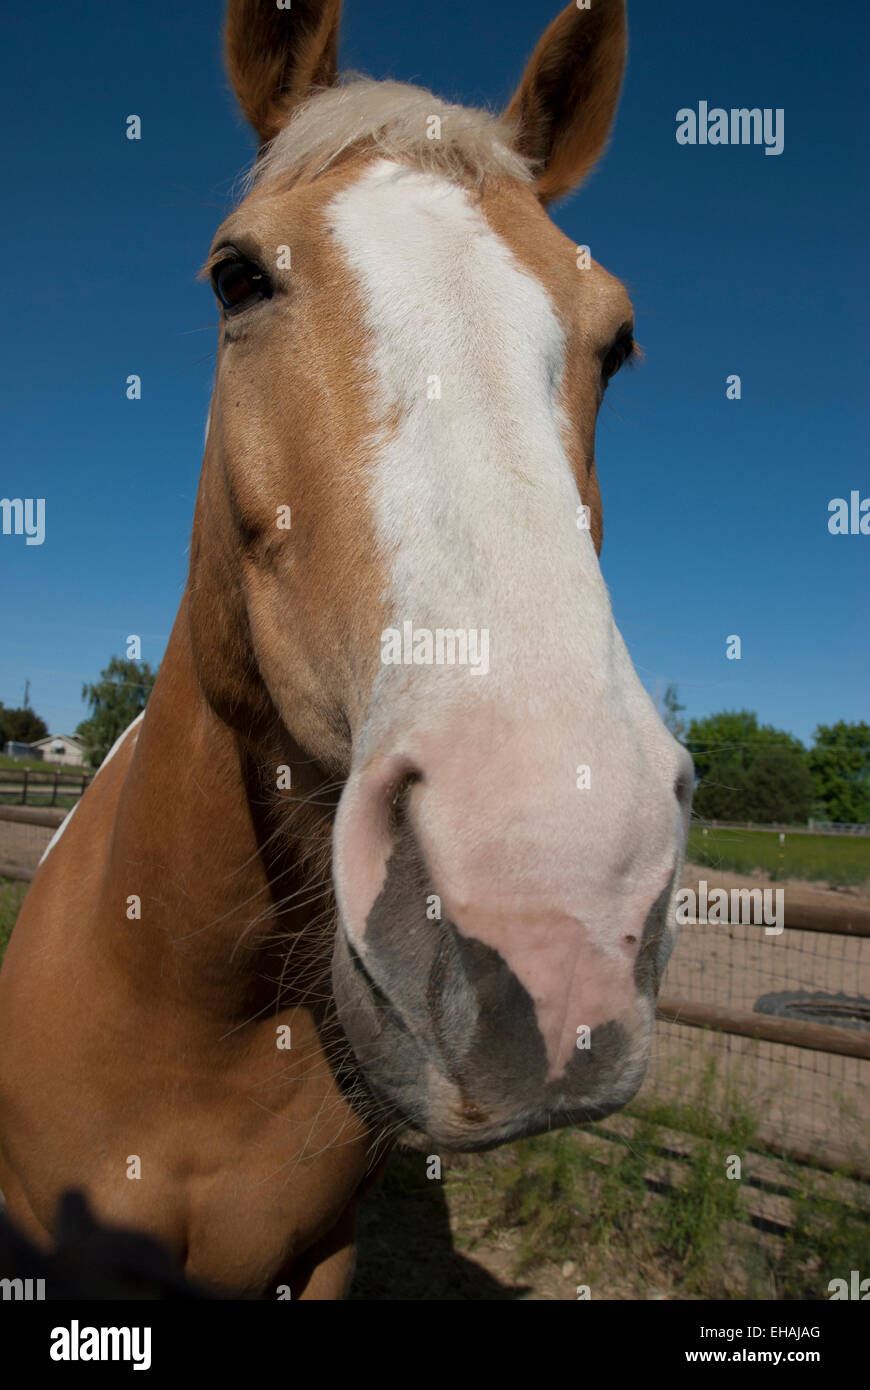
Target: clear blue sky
715, 511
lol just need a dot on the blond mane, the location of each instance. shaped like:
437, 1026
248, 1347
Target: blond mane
394, 119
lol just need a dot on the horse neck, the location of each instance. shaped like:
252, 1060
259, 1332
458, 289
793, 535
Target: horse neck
199, 837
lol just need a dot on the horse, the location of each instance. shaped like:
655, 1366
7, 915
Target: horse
396, 844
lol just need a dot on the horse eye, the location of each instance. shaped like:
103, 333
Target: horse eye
238, 283
616, 357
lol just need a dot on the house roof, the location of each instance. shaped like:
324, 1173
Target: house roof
52, 738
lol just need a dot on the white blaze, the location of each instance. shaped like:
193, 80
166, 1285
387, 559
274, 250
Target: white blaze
473, 497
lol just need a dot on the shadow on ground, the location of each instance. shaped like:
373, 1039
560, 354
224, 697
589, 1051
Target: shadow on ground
405, 1246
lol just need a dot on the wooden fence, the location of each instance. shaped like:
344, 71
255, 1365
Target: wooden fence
806, 1082
43, 788
810, 827
851, 920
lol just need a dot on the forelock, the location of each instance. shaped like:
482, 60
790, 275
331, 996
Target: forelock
395, 120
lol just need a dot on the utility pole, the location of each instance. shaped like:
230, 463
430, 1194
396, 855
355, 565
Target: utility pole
27, 694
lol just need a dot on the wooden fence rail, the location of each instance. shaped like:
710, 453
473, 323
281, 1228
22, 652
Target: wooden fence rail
66, 783
34, 815
846, 919
818, 1037
811, 827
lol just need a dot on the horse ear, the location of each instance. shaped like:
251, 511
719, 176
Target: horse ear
276, 56
563, 109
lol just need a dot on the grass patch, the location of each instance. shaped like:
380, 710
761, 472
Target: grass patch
840, 859
19, 764
568, 1198
65, 801
630, 1217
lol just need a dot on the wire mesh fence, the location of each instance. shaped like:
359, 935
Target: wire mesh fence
24, 835
807, 1101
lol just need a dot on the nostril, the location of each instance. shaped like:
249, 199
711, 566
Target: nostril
371, 814
399, 797
386, 782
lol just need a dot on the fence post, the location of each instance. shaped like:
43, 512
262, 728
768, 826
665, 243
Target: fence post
54, 793
24, 786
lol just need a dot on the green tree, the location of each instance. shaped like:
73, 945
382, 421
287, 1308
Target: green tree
777, 788
118, 697
780, 788
21, 726
734, 738
722, 794
672, 711
840, 765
